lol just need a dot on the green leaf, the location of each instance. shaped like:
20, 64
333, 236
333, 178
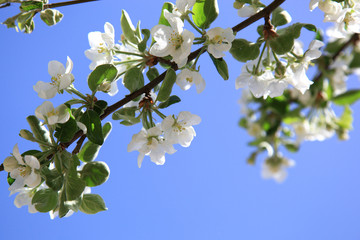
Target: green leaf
280, 17
167, 85
128, 28
133, 79
205, 12
291, 147
102, 73
51, 16
53, 178
63, 209
45, 200
92, 203
285, 41
90, 150
142, 44
170, 101
347, 98
62, 160
25, 22
74, 186
355, 62
31, 5
39, 131
125, 114
221, 67
93, 124
95, 173
66, 131
169, 6
100, 106
153, 73
243, 50
346, 119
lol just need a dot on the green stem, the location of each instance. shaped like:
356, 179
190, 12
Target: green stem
129, 53
159, 113
260, 58
193, 25
198, 56
76, 92
129, 61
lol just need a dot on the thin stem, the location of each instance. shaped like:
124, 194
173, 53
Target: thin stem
129, 61
198, 56
129, 53
261, 55
76, 92
163, 116
193, 25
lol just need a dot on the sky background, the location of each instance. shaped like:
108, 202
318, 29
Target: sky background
206, 191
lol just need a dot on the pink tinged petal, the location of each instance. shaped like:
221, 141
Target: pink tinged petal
140, 159
17, 155
69, 65
33, 179
56, 68
32, 162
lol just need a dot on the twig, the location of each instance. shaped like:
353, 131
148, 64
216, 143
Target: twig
68, 3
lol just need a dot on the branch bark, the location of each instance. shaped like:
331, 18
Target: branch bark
68, 3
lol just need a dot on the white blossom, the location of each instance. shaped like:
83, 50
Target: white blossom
174, 40
25, 170
61, 78
150, 143
24, 197
51, 115
275, 167
183, 6
187, 77
179, 130
248, 10
220, 40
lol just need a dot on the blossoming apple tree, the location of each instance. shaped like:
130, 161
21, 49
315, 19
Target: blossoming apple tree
281, 106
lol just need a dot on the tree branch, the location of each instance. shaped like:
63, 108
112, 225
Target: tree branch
68, 3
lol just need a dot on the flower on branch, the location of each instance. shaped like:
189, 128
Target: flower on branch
51, 115
174, 40
219, 41
187, 77
23, 170
61, 78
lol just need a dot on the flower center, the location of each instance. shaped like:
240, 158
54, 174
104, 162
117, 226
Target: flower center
52, 113
102, 48
178, 128
176, 40
24, 171
189, 79
217, 40
55, 79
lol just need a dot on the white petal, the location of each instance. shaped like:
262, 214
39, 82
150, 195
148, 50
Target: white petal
32, 161
69, 65
45, 90
17, 155
56, 68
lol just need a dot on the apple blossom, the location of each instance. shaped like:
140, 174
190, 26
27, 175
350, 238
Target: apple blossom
23, 170
219, 41
51, 115
187, 77
174, 40
179, 130
150, 143
61, 78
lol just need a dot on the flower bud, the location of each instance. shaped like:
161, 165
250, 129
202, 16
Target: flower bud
238, 5
27, 135
105, 87
280, 70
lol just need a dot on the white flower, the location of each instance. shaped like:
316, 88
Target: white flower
219, 41
51, 115
172, 40
248, 11
61, 79
179, 130
24, 198
183, 6
150, 143
275, 167
186, 78
24, 171
313, 130
101, 45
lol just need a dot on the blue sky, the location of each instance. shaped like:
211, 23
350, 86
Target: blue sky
206, 191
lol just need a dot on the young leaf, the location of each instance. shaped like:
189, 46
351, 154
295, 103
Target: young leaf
347, 98
93, 124
95, 173
66, 131
92, 203
51, 16
221, 67
128, 28
243, 50
53, 178
102, 73
39, 131
133, 79
205, 12
90, 150
167, 85
170, 101
346, 119
31, 5
45, 200
74, 186
142, 44
280, 17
